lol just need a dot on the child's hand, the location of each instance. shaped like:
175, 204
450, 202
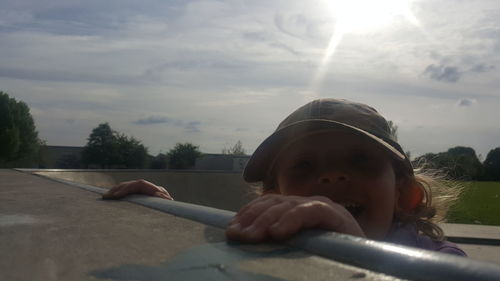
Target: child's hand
279, 217
136, 187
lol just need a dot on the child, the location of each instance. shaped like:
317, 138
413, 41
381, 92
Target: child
331, 164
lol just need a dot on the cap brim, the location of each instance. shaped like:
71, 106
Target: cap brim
259, 164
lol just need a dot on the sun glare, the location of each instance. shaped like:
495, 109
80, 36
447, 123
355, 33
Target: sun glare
366, 15
360, 16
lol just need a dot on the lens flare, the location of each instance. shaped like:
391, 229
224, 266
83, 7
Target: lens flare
360, 16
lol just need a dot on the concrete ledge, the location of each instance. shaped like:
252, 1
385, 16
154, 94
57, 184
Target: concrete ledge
480, 232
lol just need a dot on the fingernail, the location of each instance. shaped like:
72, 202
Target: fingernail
235, 226
234, 220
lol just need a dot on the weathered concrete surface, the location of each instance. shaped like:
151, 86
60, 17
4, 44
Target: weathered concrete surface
488, 253
472, 230
482, 252
203, 188
53, 231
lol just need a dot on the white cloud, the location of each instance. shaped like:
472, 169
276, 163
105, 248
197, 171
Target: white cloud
465, 102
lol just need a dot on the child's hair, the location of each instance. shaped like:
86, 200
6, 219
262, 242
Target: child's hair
439, 194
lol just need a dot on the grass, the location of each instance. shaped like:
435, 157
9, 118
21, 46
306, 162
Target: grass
479, 204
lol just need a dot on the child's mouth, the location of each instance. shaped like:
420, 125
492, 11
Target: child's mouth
353, 208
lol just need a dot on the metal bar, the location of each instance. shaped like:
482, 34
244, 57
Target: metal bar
474, 240
400, 261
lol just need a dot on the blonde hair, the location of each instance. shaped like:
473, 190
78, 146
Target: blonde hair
439, 194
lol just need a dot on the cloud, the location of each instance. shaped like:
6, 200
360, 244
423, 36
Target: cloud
189, 126
193, 126
482, 68
297, 25
256, 36
443, 73
451, 69
152, 120
65, 76
284, 47
466, 102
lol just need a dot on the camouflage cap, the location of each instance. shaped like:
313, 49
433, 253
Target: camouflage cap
324, 114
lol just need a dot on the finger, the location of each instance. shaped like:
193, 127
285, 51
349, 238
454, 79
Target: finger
111, 194
111, 191
120, 193
246, 216
257, 231
107, 195
307, 215
271, 215
168, 194
248, 205
163, 195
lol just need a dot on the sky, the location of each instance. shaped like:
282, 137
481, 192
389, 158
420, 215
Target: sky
215, 72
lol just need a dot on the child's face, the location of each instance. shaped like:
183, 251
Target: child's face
348, 169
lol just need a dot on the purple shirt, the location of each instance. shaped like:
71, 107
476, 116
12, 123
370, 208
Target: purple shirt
407, 235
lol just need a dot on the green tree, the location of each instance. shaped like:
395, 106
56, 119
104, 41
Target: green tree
492, 165
108, 148
236, 149
160, 161
183, 156
131, 152
464, 163
100, 148
458, 163
18, 136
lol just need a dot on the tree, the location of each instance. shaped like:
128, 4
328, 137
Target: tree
100, 146
464, 163
183, 156
131, 152
18, 136
160, 161
458, 163
236, 149
492, 165
108, 148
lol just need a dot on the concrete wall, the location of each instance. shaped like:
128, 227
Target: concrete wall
223, 190
222, 162
54, 156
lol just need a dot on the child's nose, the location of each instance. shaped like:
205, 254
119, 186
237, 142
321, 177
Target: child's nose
333, 176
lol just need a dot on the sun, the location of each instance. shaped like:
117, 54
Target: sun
360, 16
366, 15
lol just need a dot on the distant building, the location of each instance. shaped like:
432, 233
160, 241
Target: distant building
222, 162
61, 157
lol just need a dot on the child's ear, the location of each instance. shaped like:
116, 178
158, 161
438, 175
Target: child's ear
410, 196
